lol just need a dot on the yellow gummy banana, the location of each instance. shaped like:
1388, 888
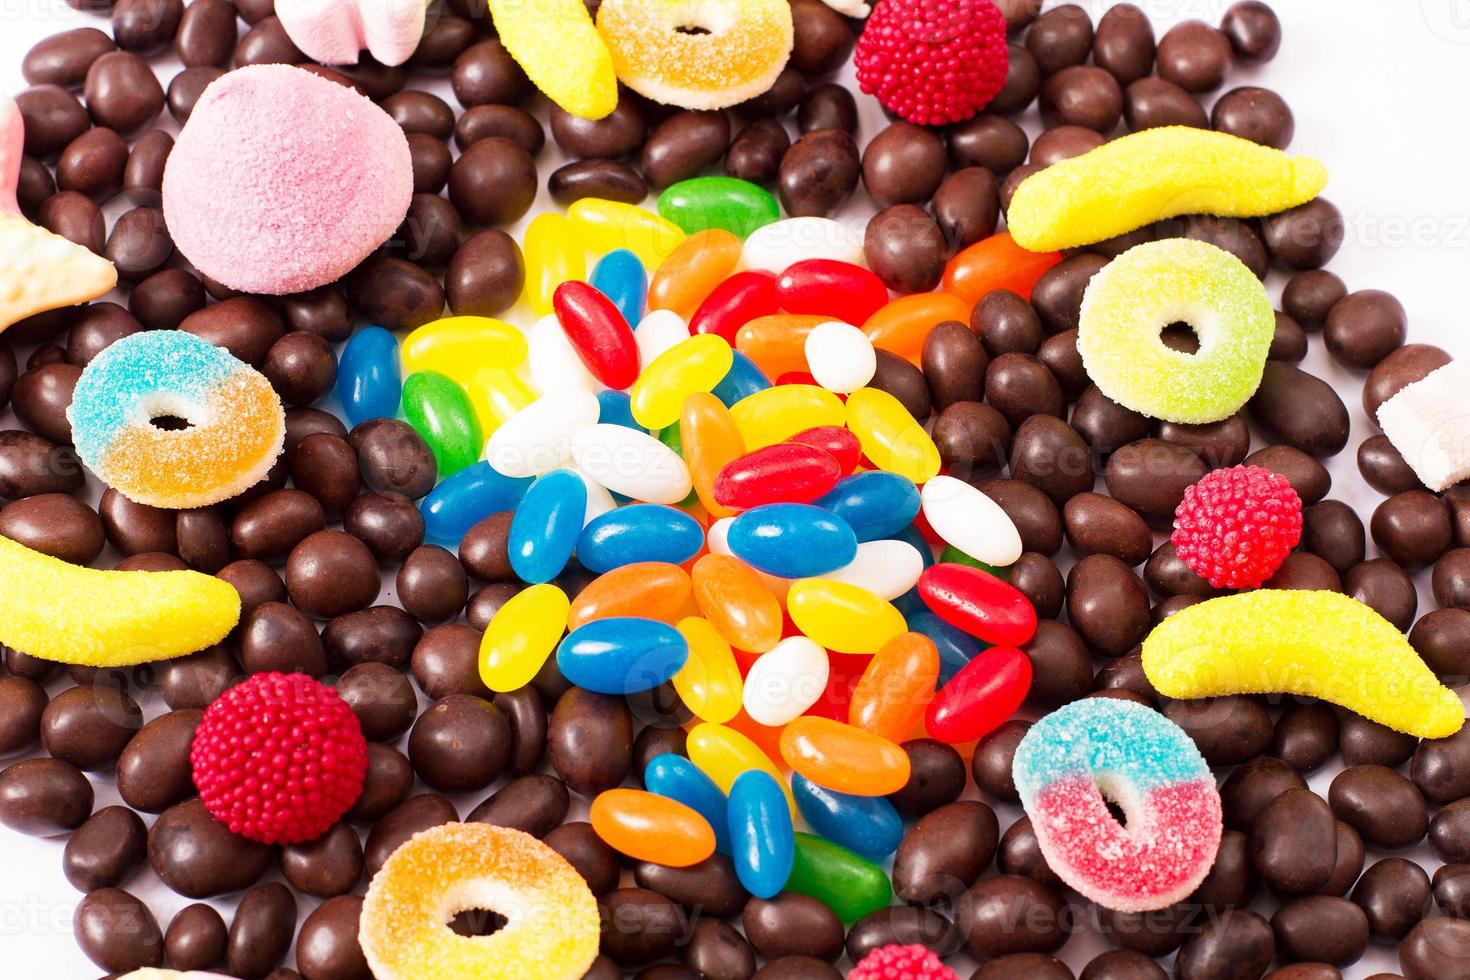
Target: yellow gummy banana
74, 615
1144, 177
557, 44
1317, 644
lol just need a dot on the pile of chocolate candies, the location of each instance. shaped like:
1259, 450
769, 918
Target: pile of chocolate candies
1010, 410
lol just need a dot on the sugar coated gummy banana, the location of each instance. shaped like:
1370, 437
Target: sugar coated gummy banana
1141, 178
1318, 644
558, 46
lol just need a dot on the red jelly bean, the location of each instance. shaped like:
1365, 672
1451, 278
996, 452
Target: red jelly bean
787, 472
981, 697
598, 332
836, 442
826, 287
743, 297
978, 603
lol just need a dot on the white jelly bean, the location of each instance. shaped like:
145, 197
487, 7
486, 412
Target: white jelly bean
660, 331
785, 681
778, 246
964, 517
632, 463
718, 536
885, 568
538, 438
599, 501
554, 363
841, 357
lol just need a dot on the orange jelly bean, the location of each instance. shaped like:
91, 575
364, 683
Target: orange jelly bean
901, 326
897, 685
649, 827
710, 439
647, 590
843, 758
777, 344
735, 600
693, 270
995, 263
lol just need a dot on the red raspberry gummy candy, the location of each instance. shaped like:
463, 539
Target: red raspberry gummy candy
933, 62
901, 963
1236, 526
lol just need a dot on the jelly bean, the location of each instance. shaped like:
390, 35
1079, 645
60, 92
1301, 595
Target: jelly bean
521, 636
978, 603
913, 536
761, 836
554, 254
462, 501
639, 533
538, 438
677, 778
741, 381
598, 333
873, 503
893, 691
710, 684
710, 439
660, 331
722, 754
890, 436
440, 412
981, 697
785, 681
649, 827
885, 568
841, 357
693, 271
599, 501
836, 290
620, 277
368, 379
954, 556
774, 415
837, 442
718, 538
778, 343
632, 463
844, 758
847, 883
787, 472
546, 525
956, 648
842, 617
604, 226
616, 408
654, 590
670, 437
622, 655
867, 825
743, 297
777, 247
695, 366
970, 521
792, 540
901, 326
735, 601
554, 363
496, 395
702, 203
458, 346
995, 263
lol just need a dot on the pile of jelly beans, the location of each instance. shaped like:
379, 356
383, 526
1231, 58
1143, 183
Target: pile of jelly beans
765, 547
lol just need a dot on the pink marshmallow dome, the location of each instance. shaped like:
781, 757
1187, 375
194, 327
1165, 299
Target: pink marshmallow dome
283, 181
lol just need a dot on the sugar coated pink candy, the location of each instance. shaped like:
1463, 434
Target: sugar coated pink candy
283, 181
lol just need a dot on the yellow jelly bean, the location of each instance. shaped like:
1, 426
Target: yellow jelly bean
723, 754
693, 270
555, 252
710, 439
776, 414
603, 226
709, 683
496, 395
842, 617
1141, 178
735, 600
521, 636
459, 346
690, 367
889, 435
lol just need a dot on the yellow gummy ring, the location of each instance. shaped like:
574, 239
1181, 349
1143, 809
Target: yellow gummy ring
558, 47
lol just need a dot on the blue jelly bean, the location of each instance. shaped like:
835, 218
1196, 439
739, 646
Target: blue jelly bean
466, 499
792, 540
679, 779
741, 381
622, 655
956, 647
875, 503
762, 840
369, 379
620, 277
868, 825
615, 408
639, 532
546, 525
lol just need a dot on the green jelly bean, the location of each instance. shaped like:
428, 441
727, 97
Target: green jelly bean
849, 885
953, 555
669, 436
702, 203
440, 411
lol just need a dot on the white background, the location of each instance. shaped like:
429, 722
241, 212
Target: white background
1378, 89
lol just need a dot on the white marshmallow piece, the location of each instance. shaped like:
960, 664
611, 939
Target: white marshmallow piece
1428, 422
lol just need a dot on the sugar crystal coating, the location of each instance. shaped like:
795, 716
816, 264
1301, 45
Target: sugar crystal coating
558, 47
